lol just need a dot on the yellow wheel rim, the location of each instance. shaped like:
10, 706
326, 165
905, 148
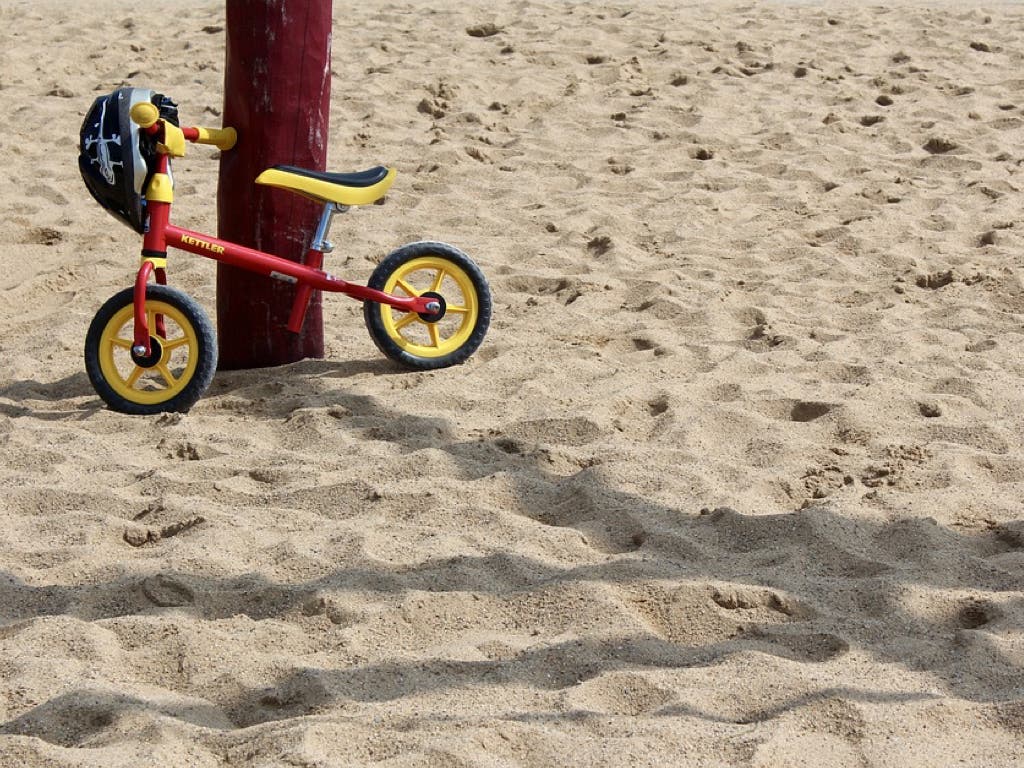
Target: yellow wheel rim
168, 376
431, 274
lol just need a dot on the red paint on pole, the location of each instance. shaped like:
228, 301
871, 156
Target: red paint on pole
277, 86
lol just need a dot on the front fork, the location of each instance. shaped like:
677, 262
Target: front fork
151, 267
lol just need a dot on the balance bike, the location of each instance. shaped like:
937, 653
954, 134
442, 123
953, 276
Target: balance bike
151, 348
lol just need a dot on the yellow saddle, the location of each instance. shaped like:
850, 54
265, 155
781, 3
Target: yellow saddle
360, 188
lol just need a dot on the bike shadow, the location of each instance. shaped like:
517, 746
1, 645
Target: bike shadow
232, 380
65, 393
62, 393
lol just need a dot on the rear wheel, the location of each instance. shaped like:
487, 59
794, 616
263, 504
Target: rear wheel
181, 363
445, 337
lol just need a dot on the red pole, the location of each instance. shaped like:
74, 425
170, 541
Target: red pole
277, 85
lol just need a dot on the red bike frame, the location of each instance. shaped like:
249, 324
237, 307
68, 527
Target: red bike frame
307, 276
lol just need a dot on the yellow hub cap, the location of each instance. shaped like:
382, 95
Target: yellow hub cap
431, 274
165, 377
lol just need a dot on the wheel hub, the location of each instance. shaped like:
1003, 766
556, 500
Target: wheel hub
155, 353
436, 315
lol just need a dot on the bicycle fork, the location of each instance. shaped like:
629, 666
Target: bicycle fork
151, 267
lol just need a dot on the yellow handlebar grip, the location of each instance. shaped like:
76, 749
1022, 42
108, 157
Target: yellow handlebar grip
222, 138
145, 114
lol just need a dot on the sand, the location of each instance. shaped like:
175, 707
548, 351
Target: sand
735, 479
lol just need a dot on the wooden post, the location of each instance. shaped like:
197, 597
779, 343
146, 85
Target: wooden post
277, 85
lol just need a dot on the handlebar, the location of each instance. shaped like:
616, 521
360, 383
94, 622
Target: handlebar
222, 138
147, 117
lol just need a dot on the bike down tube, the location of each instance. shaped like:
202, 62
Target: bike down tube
282, 269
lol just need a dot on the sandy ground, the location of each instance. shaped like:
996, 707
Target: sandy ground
735, 479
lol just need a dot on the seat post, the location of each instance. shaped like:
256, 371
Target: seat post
320, 241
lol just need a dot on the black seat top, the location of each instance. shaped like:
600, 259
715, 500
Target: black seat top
360, 179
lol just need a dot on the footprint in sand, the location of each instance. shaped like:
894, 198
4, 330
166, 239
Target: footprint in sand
1011, 534
564, 289
573, 431
960, 387
630, 345
978, 436
977, 613
138, 535
641, 344
300, 694
69, 720
725, 393
813, 647
187, 450
325, 605
691, 615
167, 591
46, 192
618, 693
730, 618
812, 534
43, 236
658, 406
800, 411
804, 411
601, 521
737, 598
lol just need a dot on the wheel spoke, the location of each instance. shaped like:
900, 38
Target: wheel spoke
435, 335
437, 281
136, 374
166, 373
459, 310
180, 342
117, 341
406, 287
157, 323
409, 319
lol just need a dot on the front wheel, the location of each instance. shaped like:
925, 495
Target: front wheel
446, 337
181, 363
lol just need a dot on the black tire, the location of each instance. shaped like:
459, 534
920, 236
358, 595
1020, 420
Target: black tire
178, 371
448, 338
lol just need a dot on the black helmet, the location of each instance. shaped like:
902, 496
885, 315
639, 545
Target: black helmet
115, 160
